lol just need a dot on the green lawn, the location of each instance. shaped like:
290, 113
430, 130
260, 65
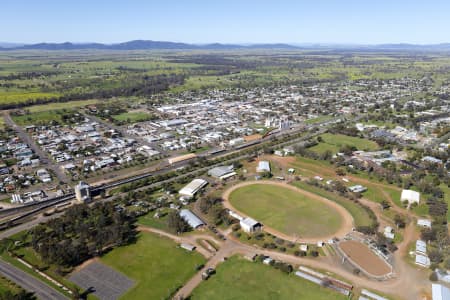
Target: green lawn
360, 216
318, 119
241, 279
157, 265
150, 221
286, 210
8, 286
334, 142
41, 117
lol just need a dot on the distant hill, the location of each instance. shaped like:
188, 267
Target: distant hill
144, 45
164, 45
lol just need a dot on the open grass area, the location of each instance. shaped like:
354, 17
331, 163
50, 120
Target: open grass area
334, 142
23, 96
318, 119
60, 105
360, 216
132, 117
158, 223
8, 286
42, 117
241, 279
157, 265
286, 210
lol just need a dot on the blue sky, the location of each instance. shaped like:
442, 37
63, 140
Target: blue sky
226, 21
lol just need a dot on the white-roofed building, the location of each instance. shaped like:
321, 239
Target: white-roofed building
440, 292
222, 172
421, 247
410, 196
263, 166
249, 225
422, 260
193, 187
424, 223
191, 218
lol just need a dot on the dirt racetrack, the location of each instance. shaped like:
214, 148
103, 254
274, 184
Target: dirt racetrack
361, 255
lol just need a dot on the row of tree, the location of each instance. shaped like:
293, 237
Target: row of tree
82, 232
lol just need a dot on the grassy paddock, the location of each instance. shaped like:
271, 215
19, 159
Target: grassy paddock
241, 279
157, 265
60, 105
334, 142
286, 210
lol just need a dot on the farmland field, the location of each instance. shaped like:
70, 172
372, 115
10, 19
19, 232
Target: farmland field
156, 264
241, 279
286, 210
333, 142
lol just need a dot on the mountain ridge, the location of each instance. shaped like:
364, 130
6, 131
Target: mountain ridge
167, 45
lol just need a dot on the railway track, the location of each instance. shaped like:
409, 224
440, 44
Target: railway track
34, 208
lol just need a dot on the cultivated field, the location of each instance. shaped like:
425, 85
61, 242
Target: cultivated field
365, 258
241, 279
156, 264
288, 210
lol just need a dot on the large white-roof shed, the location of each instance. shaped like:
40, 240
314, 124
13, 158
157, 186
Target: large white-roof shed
410, 196
193, 187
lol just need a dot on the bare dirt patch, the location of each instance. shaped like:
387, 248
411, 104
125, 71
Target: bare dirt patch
361, 255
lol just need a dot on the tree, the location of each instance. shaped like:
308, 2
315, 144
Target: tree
399, 221
385, 205
176, 223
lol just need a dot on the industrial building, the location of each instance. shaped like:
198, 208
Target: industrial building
263, 166
249, 225
193, 187
191, 218
222, 172
82, 192
410, 196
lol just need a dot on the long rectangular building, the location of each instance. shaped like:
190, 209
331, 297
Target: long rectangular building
193, 187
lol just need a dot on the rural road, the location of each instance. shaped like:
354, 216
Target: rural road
347, 219
30, 283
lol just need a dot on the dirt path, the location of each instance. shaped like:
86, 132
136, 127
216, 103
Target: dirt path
347, 219
190, 239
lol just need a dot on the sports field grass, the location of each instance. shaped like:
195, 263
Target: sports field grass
241, 279
157, 265
286, 210
334, 142
360, 216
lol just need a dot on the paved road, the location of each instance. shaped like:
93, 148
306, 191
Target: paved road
30, 283
43, 156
